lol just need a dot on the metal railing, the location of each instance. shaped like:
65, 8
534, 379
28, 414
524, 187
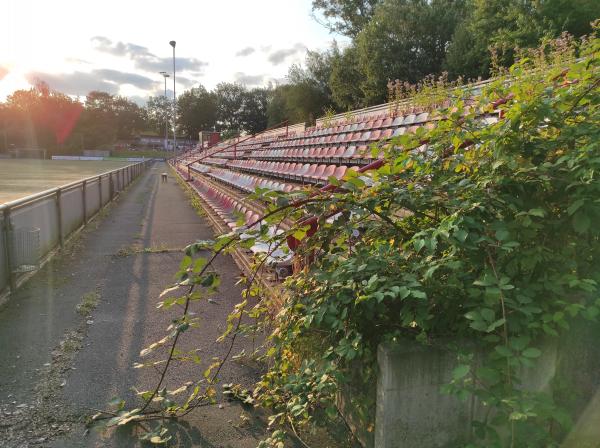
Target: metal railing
56, 213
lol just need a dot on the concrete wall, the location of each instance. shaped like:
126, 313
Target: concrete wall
412, 412
58, 213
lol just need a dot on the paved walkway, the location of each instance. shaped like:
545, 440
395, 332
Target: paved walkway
110, 263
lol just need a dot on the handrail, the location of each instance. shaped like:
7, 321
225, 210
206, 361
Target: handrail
119, 178
278, 125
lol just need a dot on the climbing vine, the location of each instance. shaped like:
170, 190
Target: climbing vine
475, 230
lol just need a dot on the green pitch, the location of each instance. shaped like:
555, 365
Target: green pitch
22, 177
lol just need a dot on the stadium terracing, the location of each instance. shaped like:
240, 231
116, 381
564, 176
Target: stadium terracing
291, 158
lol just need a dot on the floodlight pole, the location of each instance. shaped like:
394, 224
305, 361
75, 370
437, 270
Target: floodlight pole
165, 146
172, 43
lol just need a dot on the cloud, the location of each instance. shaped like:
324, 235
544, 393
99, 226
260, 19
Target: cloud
185, 82
117, 77
278, 56
139, 100
246, 51
3, 72
249, 80
77, 61
76, 83
143, 59
81, 83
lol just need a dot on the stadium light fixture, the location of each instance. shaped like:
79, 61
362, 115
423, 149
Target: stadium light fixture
172, 43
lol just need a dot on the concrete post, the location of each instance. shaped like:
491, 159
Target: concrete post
6, 227
61, 236
100, 192
411, 410
84, 201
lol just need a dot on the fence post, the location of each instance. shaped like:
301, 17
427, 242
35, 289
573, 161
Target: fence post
6, 231
84, 202
61, 236
100, 192
110, 187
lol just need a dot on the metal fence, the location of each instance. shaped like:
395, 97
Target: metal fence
33, 226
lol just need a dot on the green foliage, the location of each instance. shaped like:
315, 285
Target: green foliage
406, 40
507, 25
196, 111
487, 236
347, 17
484, 235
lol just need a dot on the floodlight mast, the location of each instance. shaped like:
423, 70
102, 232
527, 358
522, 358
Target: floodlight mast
172, 43
166, 143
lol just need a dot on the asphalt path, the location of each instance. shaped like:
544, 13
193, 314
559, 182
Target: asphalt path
127, 261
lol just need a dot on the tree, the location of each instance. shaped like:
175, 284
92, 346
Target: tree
129, 117
502, 24
107, 118
508, 24
297, 103
230, 102
40, 117
345, 80
158, 113
573, 16
406, 40
254, 111
347, 17
196, 111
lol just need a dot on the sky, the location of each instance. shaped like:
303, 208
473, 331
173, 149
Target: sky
120, 46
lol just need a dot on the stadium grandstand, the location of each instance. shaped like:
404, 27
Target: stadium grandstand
291, 158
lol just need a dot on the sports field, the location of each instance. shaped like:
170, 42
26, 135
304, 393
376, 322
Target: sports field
22, 177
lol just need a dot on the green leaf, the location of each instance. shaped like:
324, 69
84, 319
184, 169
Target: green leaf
461, 371
504, 351
537, 212
461, 235
418, 244
502, 234
495, 325
575, 206
581, 222
531, 352
488, 314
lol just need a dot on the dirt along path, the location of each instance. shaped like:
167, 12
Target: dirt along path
70, 337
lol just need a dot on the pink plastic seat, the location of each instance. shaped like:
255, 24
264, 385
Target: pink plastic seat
329, 170
339, 152
375, 135
387, 122
310, 171
350, 151
318, 172
340, 171
362, 152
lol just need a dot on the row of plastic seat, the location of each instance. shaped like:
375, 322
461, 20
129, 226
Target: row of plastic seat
371, 124
298, 172
333, 154
246, 182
